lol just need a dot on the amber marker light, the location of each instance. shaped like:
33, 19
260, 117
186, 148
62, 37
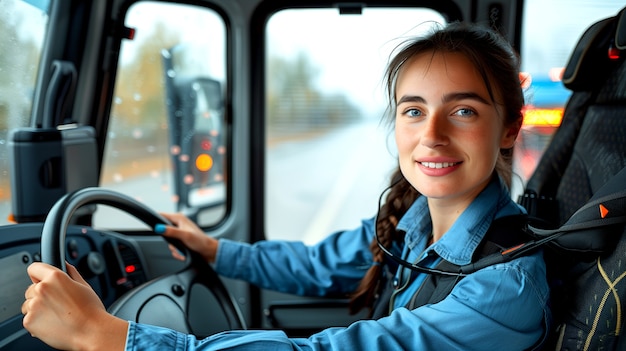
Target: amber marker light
204, 162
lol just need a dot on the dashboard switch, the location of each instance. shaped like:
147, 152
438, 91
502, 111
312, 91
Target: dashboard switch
94, 264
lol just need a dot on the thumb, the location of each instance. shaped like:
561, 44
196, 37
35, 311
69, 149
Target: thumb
73, 273
163, 229
171, 232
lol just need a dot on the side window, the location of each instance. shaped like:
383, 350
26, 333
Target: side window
330, 150
23, 27
166, 142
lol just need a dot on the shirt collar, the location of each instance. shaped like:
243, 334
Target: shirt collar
470, 228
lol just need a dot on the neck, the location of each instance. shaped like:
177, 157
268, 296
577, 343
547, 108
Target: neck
445, 211
443, 214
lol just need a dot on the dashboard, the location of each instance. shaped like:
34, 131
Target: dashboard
111, 264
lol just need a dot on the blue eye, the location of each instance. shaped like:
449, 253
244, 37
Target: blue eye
413, 112
465, 112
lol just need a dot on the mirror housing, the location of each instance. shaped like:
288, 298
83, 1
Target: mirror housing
196, 118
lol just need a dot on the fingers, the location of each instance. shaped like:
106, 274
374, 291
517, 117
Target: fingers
24, 307
174, 233
73, 273
176, 252
180, 235
175, 218
29, 294
37, 271
171, 232
182, 231
181, 222
189, 234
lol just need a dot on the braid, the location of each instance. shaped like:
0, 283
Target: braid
398, 201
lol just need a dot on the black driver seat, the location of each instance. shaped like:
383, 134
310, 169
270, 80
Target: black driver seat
588, 149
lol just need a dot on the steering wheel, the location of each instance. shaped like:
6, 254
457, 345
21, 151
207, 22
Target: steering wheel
165, 301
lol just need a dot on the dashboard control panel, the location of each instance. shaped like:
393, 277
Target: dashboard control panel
108, 262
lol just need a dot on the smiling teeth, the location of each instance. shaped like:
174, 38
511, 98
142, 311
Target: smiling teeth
438, 164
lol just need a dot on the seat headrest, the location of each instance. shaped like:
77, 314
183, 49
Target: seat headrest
589, 61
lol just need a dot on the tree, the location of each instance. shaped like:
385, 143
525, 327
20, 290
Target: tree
140, 89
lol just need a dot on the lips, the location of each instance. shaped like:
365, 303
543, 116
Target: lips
438, 165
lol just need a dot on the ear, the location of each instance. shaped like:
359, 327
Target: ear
510, 134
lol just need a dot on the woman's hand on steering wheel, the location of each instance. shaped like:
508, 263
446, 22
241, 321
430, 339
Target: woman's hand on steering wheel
189, 234
58, 303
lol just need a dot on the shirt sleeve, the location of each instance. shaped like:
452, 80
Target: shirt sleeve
498, 308
335, 265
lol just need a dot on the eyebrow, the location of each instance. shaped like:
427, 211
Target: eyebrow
446, 98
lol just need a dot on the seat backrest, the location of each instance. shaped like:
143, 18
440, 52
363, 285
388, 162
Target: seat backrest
580, 159
587, 150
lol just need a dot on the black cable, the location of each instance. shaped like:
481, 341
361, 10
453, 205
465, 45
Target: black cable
499, 257
400, 261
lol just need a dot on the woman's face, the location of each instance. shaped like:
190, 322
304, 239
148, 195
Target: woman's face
448, 130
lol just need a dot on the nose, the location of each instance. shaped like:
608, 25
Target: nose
434, 131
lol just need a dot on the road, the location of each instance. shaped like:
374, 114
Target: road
317, 186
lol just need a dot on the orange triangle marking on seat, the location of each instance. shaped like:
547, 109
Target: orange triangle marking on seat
603, 211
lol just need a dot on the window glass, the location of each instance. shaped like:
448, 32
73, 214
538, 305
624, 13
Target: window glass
329, 156
166, 139
23, 26
550, 32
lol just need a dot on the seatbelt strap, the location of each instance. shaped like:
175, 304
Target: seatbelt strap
504, 232
591, 228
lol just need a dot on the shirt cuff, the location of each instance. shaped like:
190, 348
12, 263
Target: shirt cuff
149, 337
230, 257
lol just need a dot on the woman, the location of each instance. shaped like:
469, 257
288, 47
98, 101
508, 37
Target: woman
455, 98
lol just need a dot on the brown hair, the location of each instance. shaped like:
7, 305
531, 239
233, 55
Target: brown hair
498, 65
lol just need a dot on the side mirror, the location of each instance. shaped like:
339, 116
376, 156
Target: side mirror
197, 125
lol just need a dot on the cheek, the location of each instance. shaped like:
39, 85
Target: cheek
485, 144
486, 135
405, 139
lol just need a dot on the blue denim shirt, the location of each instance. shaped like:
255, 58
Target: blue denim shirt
501, 307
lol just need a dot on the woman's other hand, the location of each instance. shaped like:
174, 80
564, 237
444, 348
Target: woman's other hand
63, 311
190, 235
